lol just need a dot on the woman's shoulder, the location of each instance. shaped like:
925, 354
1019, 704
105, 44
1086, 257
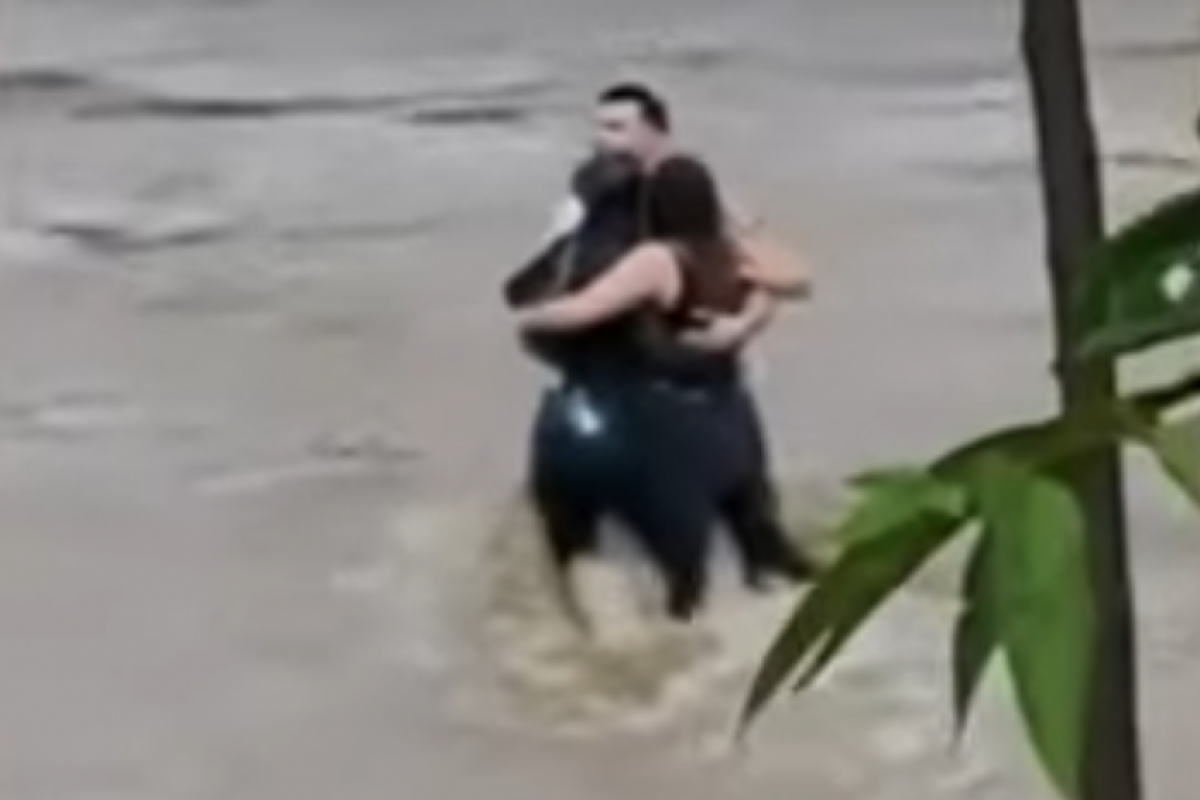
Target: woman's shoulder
658, 264
657, 253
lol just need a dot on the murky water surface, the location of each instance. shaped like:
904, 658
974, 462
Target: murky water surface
261, 415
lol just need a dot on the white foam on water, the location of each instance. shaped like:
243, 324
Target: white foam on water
470, 586
472, 602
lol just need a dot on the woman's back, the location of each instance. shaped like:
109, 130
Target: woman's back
684, 212
700, 298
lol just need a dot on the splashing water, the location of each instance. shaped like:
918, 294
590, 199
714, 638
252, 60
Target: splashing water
476, 603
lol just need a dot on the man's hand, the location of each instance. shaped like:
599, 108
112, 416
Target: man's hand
766, 262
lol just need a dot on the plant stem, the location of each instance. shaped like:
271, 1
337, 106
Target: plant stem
1052, 43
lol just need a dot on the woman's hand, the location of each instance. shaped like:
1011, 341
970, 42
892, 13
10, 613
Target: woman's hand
723, 333
774, 268
539, 317
526, 318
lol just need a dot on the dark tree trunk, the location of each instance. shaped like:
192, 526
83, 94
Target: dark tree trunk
1052, 42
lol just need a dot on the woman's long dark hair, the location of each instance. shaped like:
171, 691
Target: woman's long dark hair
684, 209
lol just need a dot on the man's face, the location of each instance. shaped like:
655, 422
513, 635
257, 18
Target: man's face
621, 128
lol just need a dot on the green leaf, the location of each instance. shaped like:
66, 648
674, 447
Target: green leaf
867, 575
976, 639
1176, 445
1160, 400
1048, 442
895, 495
1127, 302
1032, 441
896, 526
885, 477
1039, 595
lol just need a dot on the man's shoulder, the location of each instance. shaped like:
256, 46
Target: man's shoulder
566, 216
564, 219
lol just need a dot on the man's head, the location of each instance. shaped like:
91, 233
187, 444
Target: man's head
631, 118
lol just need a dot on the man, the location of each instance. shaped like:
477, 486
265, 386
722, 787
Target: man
629, 118
632, 120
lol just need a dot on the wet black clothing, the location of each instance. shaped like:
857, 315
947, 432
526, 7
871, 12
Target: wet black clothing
642, 429
745, 497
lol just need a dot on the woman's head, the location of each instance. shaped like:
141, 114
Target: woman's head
683, 207
682, 202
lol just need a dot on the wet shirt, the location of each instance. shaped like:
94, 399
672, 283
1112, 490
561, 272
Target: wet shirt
648, 340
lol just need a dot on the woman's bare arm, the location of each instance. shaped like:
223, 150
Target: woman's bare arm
728, 332
646, 274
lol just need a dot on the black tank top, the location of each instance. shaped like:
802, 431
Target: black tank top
611, 352
668, 357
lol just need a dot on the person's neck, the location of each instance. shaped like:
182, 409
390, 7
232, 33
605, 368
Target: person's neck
652, 159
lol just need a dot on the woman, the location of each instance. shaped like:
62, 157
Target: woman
690, 414
705, 358
598, 447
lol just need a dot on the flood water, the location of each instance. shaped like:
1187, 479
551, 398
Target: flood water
261, 418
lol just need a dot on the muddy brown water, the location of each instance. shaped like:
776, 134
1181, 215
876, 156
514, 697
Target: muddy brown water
261, 416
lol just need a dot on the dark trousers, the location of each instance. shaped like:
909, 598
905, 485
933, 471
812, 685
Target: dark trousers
750, 506
670, 465
633, 468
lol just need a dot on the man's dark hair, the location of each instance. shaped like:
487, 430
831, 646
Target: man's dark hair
650, 104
